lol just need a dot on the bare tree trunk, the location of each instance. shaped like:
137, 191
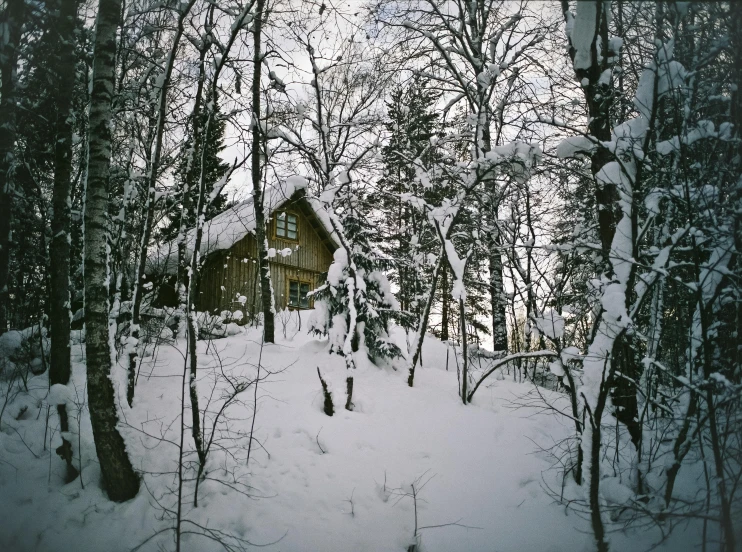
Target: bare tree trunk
424, 316
574, 403
445, 304
596, 516
183, 263
192, 314
119, 479
598, 97
151, 188
59, 268
11, 20
266, 291
464, 353
682, 444
497, 291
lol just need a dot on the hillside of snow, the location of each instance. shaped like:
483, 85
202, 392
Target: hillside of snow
480, 472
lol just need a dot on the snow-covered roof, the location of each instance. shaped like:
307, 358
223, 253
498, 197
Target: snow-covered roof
233, 224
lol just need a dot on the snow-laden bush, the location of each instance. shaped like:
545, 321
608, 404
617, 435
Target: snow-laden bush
357, 298
26, 350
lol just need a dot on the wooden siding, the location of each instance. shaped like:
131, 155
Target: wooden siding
228, 274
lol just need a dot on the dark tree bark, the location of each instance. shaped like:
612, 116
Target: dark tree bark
349, 393
594, 489
266, 294
464, 353
11, 20
119, 478
599, 97
425, 315
736, 116
445, 304
328, 407
499, 319
59, 251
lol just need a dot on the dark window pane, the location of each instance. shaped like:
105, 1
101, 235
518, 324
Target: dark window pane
293, 293
303, 299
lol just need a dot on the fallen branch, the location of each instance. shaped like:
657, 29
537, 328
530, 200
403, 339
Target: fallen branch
318, 444
505, 360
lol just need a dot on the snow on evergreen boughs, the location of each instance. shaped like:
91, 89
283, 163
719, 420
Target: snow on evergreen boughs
356, 298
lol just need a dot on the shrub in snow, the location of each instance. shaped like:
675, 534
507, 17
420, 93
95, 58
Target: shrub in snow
23, 349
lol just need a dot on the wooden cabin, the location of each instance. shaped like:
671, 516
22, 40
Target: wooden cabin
301, 247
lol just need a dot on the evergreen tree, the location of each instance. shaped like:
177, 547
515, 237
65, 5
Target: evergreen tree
405, 235
357, 296
215, 169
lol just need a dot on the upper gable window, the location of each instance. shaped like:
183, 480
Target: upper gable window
287, 226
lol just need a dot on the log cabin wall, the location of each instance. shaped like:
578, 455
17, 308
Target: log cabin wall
228, 274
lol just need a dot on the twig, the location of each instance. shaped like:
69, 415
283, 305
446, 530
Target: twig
318, 444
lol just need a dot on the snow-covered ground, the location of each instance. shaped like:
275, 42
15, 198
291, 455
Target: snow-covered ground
314, 482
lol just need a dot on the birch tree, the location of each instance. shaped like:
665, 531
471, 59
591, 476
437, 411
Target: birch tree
256, 173
119, 478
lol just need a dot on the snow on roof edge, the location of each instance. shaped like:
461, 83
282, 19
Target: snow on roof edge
236, 222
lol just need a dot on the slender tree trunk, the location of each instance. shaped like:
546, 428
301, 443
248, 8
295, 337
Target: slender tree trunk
183, 262
497, 289
727, 514
464, 354
681, 446
11, 20
424, 316
599, 97
119, 479
596, 516
499, 318
574, 403
266, 289
154, 166
59, 371
736, 118
445, 304
192, 313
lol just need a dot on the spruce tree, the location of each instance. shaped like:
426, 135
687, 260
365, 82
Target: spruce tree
214, 170
406, 237
357, 296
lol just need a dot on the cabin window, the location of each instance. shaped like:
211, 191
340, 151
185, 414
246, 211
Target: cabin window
298, 294
287, 226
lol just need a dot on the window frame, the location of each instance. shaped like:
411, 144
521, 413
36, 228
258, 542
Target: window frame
275, 226
288, 294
